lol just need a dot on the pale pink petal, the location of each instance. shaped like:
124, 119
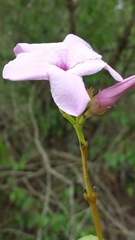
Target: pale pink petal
33, 65
52, 47
27, 66
70, 38
83, 60
79, 50
88, 67
114, 74
68, 91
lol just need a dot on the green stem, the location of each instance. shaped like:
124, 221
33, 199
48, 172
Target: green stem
79, 132
83, 149
90, 195
68, 117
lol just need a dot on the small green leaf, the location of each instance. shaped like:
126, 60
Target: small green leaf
89, 237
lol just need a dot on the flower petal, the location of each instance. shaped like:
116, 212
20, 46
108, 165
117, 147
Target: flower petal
68, 91
26, 47
79, 50
33, 65
27, 66
83, 60
114, 74
88, 67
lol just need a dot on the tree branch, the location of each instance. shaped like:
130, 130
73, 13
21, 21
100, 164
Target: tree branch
122, 42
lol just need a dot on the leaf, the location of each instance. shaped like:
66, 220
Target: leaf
89, 237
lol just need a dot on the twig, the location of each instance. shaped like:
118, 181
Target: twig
122, 42
16, 232
46, 163
116, 223
72, 212
45, 205
71, 9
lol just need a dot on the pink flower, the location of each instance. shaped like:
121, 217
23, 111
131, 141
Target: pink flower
110, 96
63, 64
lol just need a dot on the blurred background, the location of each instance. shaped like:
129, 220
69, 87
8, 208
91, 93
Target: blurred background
41, 182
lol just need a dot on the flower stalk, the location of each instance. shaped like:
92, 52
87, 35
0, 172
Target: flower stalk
91, 195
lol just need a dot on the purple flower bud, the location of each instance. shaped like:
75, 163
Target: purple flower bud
110, 96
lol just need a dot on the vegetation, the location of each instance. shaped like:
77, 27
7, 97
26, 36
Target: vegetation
41, 182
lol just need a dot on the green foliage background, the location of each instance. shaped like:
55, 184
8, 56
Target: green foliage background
41, 184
